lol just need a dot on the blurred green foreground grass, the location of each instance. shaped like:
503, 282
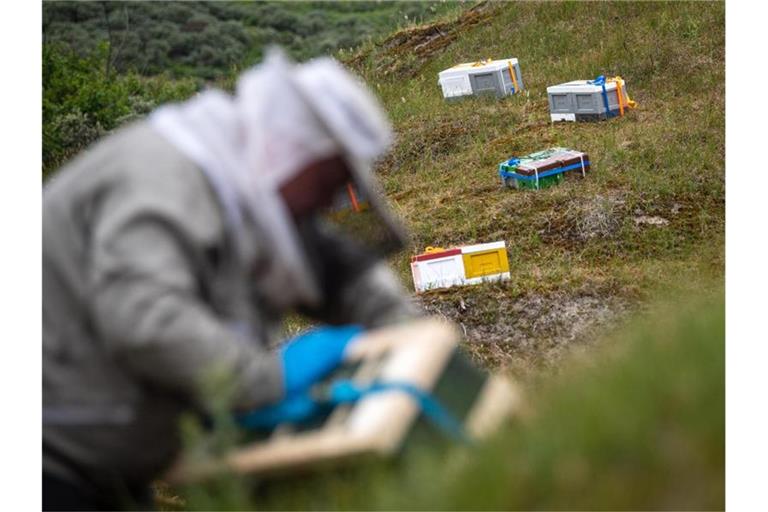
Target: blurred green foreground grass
640, 424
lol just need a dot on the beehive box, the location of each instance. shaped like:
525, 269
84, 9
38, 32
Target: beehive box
498, 77
467, 265
464, 403
542, 169
589, 100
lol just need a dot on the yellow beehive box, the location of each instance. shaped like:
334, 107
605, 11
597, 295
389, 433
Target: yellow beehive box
482, 260
470, 264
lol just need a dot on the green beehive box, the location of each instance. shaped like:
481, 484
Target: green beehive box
542, 169
546, 182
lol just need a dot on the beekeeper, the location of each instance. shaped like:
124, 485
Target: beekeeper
176, 245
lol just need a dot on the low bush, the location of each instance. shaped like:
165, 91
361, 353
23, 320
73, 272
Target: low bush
82, 102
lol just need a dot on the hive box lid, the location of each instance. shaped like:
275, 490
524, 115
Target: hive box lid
483, 247
434, 255
559, 158
472, 67
580, 86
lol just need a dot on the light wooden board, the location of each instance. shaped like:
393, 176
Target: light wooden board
378, 424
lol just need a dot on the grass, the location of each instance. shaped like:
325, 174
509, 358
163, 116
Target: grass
638, 424
665, 159
631, 419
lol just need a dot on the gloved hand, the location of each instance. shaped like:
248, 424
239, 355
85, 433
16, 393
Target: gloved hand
313, 355
306, 360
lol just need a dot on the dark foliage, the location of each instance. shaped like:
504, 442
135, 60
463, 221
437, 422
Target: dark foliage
81, 101
105, 63
207, 39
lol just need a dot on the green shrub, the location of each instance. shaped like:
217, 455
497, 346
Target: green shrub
81, 103
205, 39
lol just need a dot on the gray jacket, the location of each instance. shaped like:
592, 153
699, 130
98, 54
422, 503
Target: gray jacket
141, 298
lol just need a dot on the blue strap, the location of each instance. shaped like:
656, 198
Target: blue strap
345, 391
551, 172
600, 80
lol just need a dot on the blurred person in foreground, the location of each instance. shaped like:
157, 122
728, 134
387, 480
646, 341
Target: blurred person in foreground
177, 245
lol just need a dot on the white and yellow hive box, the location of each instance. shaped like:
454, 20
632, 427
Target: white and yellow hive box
589, 100
500, 77
470, 264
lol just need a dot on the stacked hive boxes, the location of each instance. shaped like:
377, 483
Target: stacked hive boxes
471, 264
542, 169
499, 77
588, 100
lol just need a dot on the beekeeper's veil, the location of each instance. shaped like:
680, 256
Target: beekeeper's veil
283, 117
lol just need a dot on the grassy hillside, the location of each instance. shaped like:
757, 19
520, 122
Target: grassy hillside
581, 253
638, 423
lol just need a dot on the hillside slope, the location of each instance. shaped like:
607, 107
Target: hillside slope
581, 253
639, 424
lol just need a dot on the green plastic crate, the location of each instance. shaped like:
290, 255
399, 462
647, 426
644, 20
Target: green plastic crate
546, 182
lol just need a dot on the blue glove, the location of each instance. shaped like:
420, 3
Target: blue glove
310, 357
306, 360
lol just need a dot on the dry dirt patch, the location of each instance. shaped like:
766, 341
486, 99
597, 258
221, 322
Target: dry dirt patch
405, 52
582, 219
528, 333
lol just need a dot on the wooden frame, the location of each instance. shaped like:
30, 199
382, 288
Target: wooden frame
378, 424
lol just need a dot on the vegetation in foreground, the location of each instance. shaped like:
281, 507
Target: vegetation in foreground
638, 425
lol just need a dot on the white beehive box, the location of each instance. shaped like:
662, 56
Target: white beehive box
500, 77
467, 265
437, 270
583, 100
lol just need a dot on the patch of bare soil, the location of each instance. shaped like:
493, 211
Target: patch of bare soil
583, 219
529, 333
405, 52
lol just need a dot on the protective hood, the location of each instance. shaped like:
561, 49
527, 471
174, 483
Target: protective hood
282, 117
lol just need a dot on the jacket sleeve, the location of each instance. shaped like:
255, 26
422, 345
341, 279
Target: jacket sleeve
357, 287
374, 298
146, 302
377, 298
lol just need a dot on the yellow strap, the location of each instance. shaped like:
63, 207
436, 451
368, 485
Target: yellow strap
430, 250
512, 74
482, 62
619, 85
